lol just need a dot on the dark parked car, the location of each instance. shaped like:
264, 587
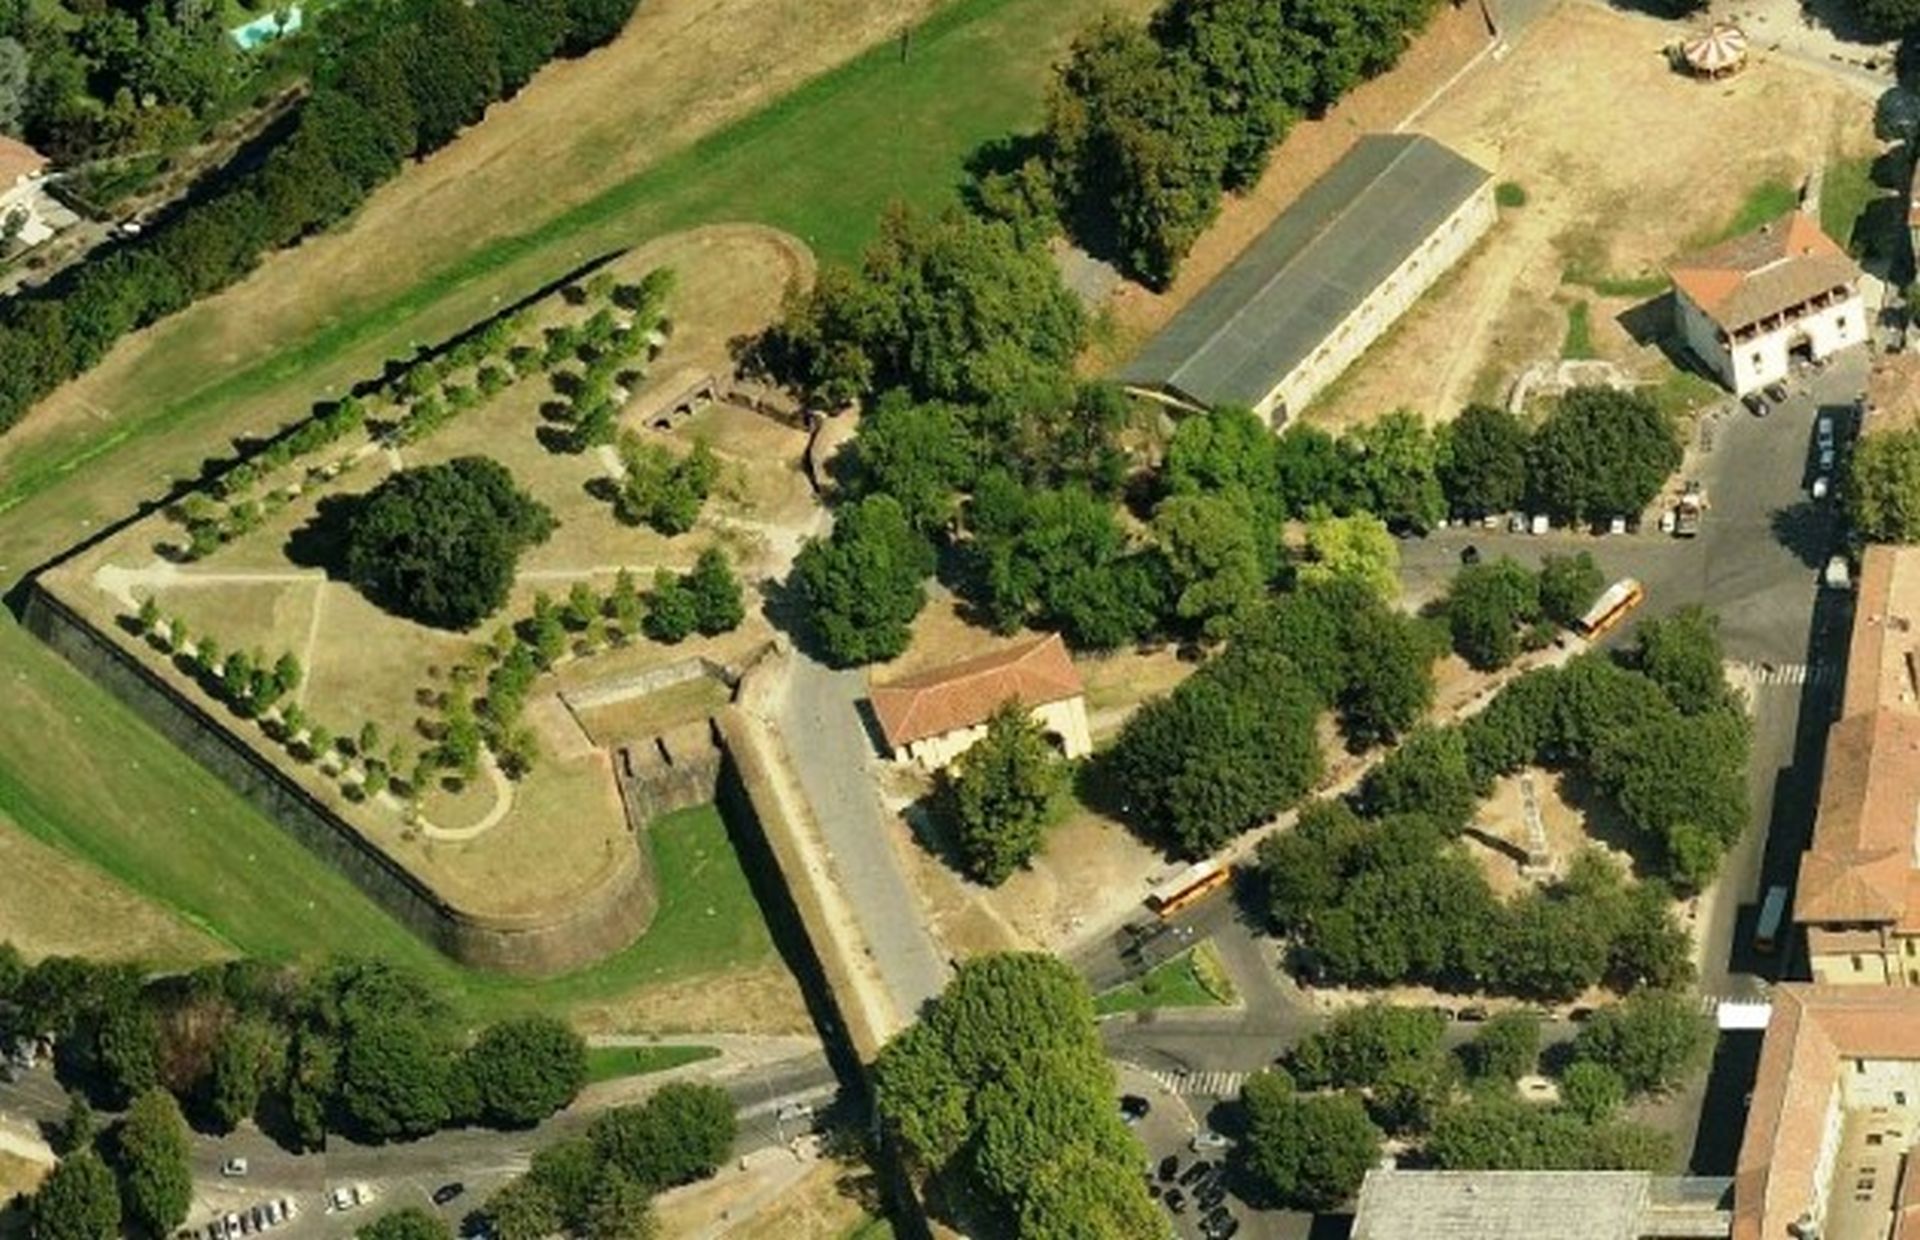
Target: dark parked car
1226, 1230
1756, 405
1212, 1195
1473, 1013
1469, 554
1194, 1174
447, 1192
1176, 1201
1776, 391
1134, 1108
1169, 1167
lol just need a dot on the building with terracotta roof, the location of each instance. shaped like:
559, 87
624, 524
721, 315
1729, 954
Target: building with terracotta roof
1834, 1110
1859, 890
22, 170
1749, 307
933, 717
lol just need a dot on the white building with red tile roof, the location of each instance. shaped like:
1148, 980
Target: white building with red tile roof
933, 717
1751, 305
22, 170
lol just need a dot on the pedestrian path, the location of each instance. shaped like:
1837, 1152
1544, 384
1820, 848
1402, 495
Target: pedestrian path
1768, 674
1202, 1084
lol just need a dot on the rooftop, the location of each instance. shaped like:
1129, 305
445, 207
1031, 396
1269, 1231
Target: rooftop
18, 161
1815, 1030
1289, 290
1535, 1205
1762, 273
961, 695
1864, 863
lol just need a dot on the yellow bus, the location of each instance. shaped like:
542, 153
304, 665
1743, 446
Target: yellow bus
1613, 606
1189, 887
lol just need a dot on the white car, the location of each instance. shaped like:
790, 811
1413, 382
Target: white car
1208, 1139
234, 1167
1820, 487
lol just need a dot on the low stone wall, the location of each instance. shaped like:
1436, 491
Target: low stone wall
676, 770
603, 922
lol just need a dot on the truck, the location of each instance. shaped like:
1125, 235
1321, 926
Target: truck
1773, 916
1686, 513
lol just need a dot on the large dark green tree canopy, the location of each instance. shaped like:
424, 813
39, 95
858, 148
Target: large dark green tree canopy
1003, 1089
1484, 463
1602, 453
863, 585
439, 543
947, 307
1883, 496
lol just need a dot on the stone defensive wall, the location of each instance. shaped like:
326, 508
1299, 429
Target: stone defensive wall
556, 940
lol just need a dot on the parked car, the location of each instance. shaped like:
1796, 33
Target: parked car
1194, 1174
1176, 1201
1473, 1012
1820, 487
1226, 1230
1208, 1139
1756, 404
1217, 1218
1776, 391
1826, 460
1134, 1108
1210, 1197
1470, 554
447, 1192
1169, 1168
234, 1167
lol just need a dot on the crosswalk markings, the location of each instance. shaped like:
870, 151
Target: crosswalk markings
1791, 673
1201, 1084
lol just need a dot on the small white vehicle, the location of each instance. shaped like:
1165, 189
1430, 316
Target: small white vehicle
1208, 1139
1541, 523
1839, 574
1820, 487
234, 1167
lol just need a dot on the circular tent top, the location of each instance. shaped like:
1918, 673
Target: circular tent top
1722, 49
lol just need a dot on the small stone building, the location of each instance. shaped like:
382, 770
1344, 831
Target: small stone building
1751, 306
933, 717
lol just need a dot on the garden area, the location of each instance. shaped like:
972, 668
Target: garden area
386, 597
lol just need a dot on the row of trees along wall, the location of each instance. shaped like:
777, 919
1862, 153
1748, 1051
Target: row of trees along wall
559, 940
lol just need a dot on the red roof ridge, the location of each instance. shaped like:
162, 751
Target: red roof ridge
960, 695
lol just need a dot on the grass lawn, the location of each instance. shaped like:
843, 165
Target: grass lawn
1578, 342
1769, 200
1845, 193
610, 1063
1194, 978
80, 771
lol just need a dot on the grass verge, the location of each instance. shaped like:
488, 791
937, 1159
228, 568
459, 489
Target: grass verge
1577, 344
1768, 200
1846, 191
610, 1063
1194, 978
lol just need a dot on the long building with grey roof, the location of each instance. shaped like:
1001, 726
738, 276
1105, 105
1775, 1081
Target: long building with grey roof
1323, 282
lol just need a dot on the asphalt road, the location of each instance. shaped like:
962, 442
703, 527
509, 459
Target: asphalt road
406, 1173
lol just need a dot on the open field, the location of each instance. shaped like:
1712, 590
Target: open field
58, 905
1605, 209
556, 838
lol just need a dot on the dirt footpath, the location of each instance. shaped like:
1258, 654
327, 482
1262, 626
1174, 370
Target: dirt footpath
1624, 163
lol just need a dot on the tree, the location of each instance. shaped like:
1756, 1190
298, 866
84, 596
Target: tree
247, 1055
1883, 489
1396, 469
1001, 793
673, 611
1506, 1048
717, 604
79, 1201
949, 308
1362, 1046
1592, 1090
1681, 653
1232, 745
439, 543
924, 455
394, 1078
1568, 586
77, 1128
410, 1223
1356, 548
1428, 774
1486, 606
1311, 1152
1003, 1085
1312, 472
661, 490
682, 1133
622, 1209
126, 1046
863, 585
570, 1171
522, 1210
1389, 675
1602, 453
1136, 144
1652, 1039
1258, 72
526, 1068
156, 1174
1214, 558
1484, 461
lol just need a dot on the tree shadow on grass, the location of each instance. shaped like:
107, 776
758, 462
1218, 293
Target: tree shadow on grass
322, 542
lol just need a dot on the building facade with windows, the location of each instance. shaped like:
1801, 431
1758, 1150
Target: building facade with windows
1750, 306
1324, 281
1858, 895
